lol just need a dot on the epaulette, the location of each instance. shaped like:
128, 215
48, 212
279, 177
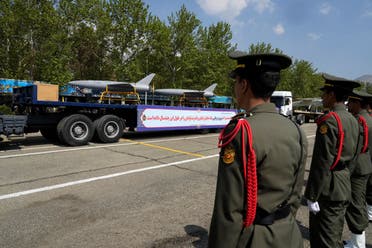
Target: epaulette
241, 115
323, 117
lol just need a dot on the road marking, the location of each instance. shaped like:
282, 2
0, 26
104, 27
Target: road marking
62, 150
21, 148
166, 148
92, 179
103, 146
97, 147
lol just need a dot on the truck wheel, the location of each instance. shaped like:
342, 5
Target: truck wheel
108, 128
300, 119
75, 130
49, 133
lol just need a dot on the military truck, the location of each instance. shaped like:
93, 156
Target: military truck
77, 119
302, 111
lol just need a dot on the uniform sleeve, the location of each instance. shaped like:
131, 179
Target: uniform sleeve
297, 191
227, 220
369, 123
324, 153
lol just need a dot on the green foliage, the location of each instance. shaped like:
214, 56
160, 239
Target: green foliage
262, 47
6, 110
302, 79
62, 40
369, 88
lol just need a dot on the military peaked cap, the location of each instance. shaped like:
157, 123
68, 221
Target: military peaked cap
258, 63
333, 82
360, 95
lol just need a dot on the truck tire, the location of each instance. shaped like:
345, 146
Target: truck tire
300, 119
108, 129
75, 130
49, 133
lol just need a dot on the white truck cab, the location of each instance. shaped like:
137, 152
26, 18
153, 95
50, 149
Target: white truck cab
283, 102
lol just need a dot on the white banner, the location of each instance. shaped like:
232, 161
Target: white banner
162, 118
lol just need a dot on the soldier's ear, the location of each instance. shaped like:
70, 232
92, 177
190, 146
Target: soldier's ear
245, 85
331, 94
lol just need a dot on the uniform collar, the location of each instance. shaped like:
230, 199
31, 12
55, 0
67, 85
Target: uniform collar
363, 111
339, 107
265, 107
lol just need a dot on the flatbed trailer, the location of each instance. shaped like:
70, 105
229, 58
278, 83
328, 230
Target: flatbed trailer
308, 109
304, 116
40, 108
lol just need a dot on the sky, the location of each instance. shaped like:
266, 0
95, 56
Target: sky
334, 36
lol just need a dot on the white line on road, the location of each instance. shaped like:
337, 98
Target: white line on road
63, 150
63, 185
104, 146
100, 146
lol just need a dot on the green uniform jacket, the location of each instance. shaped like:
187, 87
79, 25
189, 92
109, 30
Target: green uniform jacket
363, 165
369, 184
280, 177
322, 182
368, 118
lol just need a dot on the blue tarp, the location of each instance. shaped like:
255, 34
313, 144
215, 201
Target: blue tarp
7, 85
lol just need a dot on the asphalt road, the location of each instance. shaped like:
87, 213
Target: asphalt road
154, 190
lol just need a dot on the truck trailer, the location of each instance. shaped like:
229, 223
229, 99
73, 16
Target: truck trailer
75, 121
301, 111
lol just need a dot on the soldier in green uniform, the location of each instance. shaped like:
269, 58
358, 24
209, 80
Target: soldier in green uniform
369, 183
261, 164
328, 189
356, 213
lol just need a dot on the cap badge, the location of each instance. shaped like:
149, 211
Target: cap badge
258, 62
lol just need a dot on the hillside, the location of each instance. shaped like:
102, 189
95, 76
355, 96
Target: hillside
365, 78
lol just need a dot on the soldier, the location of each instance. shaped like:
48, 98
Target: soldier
369, 183
356, 212
328, 189
261, 165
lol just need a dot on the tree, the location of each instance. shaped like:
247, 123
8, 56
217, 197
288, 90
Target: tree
214, 43
155, 56
183, 26
262, 47
33, 35
129, 20
300, 78
60, 40
88, 27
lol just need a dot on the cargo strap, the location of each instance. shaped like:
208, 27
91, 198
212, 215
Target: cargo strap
249, 166
363, 122
341, 135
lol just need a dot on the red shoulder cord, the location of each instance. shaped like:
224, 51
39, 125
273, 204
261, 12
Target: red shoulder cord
249, 166
341, 135
363, 122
